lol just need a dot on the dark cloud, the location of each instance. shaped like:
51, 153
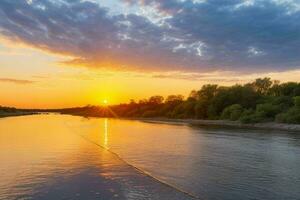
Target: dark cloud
258, 35
16, 81
236, 35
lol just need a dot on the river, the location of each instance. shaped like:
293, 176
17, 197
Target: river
70, 157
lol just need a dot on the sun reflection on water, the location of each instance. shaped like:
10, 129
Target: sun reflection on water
106, 133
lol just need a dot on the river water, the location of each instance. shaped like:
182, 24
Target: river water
70, 157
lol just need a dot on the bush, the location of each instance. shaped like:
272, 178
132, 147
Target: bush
267, 110
232, 112
292, 116
250, 116
297, 101
284, 102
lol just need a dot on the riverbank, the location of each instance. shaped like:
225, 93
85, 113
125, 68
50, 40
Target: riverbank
224, 123
221, 123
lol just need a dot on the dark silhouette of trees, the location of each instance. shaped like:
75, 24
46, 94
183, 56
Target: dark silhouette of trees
156, 100
262, 85
262, 100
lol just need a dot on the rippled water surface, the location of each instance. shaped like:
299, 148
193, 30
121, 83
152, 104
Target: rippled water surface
68, 157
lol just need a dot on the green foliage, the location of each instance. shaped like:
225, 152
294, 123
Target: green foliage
262, 86
201, 109
267, 110
226, 96
250, 116
292, 116
296, 91
284, 102
149, 113
286, 89
232, 112
258, 101
262, 113
189, 108
297, 102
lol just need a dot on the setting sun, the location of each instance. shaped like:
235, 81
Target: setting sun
105, 102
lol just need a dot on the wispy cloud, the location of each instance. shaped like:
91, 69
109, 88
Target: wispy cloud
213, 77
16, 81
40, 76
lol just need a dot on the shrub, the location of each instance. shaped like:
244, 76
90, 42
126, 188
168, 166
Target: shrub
297, 101
284, 102
267, 110
292, 116
250, 116
232, 112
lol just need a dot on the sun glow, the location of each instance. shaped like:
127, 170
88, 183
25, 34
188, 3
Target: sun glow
105, 102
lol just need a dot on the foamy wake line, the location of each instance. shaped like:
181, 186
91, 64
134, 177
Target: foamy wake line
138, 169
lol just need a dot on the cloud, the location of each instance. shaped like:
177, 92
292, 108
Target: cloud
191, 36
205, 77
16, 81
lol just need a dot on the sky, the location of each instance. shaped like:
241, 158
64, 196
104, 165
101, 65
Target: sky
65, 53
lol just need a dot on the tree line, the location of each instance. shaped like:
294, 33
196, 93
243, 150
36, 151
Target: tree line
262, 100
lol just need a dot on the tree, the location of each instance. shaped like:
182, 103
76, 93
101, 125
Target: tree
259, 101
193, 95
297, 90
189, 108
156, 100
262, 86
174, 99
201, 108
207, 92
288, 89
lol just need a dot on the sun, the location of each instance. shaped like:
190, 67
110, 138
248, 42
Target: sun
105, 102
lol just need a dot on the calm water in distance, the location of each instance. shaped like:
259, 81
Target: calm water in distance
68, 157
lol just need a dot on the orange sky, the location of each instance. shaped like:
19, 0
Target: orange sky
50, 84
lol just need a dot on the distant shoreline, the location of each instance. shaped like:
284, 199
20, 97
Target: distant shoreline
15, 114
195, 122
219, 123
224, 123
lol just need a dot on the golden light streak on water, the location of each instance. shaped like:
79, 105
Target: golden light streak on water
106, 133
